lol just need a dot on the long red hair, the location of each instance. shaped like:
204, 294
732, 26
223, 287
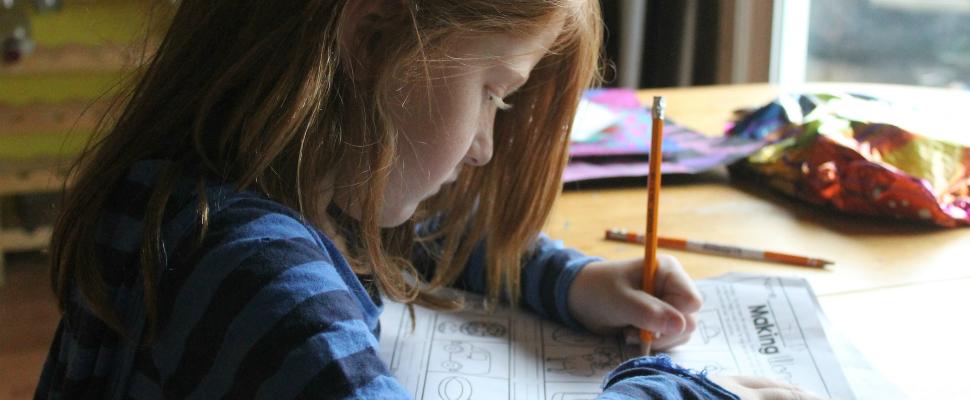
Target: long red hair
254, 93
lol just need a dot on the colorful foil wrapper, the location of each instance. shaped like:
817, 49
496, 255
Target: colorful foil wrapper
844, 151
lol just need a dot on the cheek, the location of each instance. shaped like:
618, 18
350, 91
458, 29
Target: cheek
436, 135
436, 128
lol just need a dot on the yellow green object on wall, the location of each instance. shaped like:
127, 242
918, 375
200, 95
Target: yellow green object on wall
42, 101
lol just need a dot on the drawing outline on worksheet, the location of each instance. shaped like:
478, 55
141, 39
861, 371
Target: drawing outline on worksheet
471, 354
751, 325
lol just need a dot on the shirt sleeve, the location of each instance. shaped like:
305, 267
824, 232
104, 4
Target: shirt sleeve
265, 312
547, 275
659, 378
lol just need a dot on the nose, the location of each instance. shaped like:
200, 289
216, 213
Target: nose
480, 152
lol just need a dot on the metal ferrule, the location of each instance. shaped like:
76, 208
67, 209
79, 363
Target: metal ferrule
659, 104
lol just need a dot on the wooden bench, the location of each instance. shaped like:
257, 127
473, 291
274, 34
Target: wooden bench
46, 117
37, 179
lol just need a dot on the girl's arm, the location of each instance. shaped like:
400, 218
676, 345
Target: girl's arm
546, 275
546, 278
587, 292
268, 309
659, 378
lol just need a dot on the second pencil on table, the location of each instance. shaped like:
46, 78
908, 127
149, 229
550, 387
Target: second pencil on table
718, 249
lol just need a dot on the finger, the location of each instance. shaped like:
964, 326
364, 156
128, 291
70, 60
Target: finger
758, 382
674, 286
631, 336
650, 313
786, 394
671, 282
666, 342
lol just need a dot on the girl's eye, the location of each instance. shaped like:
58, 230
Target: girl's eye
498, 101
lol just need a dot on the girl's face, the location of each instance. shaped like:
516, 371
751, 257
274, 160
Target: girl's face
446, 123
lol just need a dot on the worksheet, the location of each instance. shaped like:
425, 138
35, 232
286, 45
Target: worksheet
764, 326
749, 325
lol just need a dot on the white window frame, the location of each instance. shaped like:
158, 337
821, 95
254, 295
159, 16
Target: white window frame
789, 41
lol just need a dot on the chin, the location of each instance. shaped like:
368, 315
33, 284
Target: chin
395, 217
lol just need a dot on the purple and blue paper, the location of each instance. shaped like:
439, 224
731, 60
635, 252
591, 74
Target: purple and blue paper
623, 149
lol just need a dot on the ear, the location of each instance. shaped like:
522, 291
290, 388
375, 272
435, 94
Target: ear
363, 24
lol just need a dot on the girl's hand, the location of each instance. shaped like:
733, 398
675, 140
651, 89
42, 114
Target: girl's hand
758, 388
606, 297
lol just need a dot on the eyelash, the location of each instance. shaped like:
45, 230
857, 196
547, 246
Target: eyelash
499, 102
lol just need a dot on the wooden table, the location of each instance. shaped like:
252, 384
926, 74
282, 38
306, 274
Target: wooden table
898, 292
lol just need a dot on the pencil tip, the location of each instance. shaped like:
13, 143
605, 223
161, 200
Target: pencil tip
645, 348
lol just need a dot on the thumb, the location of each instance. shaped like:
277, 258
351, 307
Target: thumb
653, 314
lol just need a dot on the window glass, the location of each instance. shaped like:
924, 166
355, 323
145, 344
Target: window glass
917, 42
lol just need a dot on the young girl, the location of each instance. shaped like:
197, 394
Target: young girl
282, 164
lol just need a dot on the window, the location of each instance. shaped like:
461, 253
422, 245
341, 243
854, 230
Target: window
914, 42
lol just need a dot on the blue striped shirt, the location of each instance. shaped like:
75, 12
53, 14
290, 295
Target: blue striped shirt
266, 307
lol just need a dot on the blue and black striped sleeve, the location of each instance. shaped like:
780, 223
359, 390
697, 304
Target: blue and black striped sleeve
657, 377
265, 311
546, 277
547, 274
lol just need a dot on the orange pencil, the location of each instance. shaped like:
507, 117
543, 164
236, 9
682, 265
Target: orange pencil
653, 207
698, 246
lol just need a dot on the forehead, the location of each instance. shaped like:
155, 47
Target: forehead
515, 50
